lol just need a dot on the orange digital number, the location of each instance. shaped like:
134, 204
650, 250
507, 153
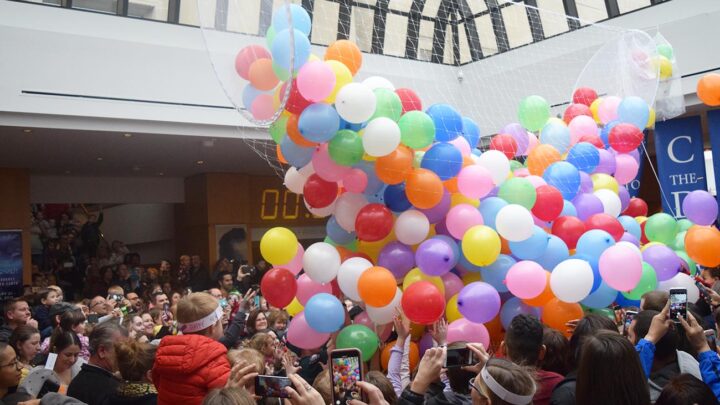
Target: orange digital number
266, 196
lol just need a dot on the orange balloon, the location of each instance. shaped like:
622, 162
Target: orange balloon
708, 89
416, 331
557, 313
345, 52
702, 244
496, 331
294, 133
504, 246
376, 286
279, 154
344, 252
414, 354
544, 296
541, 157
424, 188
262, 76
451, 185
395, 167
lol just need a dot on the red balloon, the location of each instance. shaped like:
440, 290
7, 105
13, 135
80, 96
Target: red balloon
549, 203
593, 139
569, 229
409, 99
584, 95
423, 303
373, 223
574, 110
296, 103
319, 193
643, 237
636, 208
625, 137
607, 223
504, 143
279, 287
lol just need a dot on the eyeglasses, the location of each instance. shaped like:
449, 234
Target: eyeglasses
472, 386
14, 363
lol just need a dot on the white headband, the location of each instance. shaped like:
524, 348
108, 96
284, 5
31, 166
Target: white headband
503, 393
203, 323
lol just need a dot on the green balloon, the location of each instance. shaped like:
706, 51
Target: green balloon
679, 242
684, 224
690, 262
518, 190
352, 246
281, 73
358, 337
665, 50
648, 282
515, 165
278, 128
533, 113
387, 105
608, 312
662, 228
346, 148
417, 129
270, 36
329, 241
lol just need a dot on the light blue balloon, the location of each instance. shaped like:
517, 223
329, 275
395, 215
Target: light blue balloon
294, 154
464, 264
514, 307
374, 184
471, 132
593, 262
634, 110
631, 226
448, 122
584, 156
300, 19
282, 49
564, 177
377, 198
324, 313
605, 132
489, 209
495, 273
319, 122
601, 298
532, 247
337, 233
594, 242
556, 252
249, 95
556, 135
568, 209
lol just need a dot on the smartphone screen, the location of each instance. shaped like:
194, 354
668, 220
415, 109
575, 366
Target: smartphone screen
346, 372
458, 358
271, 386
703, 291
629, 316
93, 318
678, 304
257, 301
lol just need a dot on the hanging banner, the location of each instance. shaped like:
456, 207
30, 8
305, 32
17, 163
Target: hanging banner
680, 161
11, 264
713, 119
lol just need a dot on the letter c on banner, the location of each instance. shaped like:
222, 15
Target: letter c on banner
671, 153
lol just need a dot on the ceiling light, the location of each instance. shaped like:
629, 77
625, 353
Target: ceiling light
67, 171
27, 130
200, 162
161, 174
127, 135
99, 158
136, 168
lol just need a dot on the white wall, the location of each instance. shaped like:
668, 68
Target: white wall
148, 229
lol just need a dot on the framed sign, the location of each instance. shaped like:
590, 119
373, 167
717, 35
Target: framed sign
11, 263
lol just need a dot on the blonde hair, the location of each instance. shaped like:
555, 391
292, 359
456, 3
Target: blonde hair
251, 356
259, 341
323, 386
228, 396
134, 359
195, 307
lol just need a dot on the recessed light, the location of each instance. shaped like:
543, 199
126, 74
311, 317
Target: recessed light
200, 162
99, 158
136, 168
27, 130
67, 171
127, 135
161, 174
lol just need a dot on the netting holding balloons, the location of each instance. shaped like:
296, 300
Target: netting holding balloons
418, 217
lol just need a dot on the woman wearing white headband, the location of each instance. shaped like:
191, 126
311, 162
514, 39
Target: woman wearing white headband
502, 382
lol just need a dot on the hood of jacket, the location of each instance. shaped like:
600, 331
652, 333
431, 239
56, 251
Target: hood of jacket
186, 354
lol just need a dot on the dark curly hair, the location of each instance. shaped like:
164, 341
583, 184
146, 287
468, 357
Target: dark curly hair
523, 338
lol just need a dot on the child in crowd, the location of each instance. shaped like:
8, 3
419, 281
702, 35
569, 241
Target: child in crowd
48, 298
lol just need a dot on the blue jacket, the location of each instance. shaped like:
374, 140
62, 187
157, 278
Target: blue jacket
710, 370
646, 351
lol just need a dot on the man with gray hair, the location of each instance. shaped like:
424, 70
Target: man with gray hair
96, 381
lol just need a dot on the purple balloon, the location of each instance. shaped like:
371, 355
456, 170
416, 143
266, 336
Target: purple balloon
437, 213
607, 162
514, 307
435, 257
426, 342
587, 205
453, 284
520, 135
479, 302
441, 229
624, 198
493, 192
665, 262
398, 258
586, 184
700, 207
628, 237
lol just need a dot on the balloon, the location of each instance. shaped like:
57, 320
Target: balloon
593, 242
448, 122
587, 205
246, 57
490, 208
394, 167
296, 103
496, 273
300, 18
355, 181
373, 222
413, 354
497, 164
464, 330
526, 279
315, 80
412, 227
504, 143
681, 280
637, 208
700, 207
355, 103
610, 202
376, 286
584, 156
417, 129
600, 298
358, 337
630, 225
319, 193
324, 313
409, 99
381, 136
348, 275
701, 245
261, 75
708, 89
443, 159
556, 252
625, 138
321, 262
582, 126
462, 217
346, 147
661, 227
565, 177
471, 132
388, 103
571, 280
663, 260
531, 248
424, 188
520, 135
423, 303
576, 110
347, 53
544, 297
415, 275
453, 284
514, 307
634, 110
474, 181
626, 168
533, 112
342, 75
384, 315
556, 135
398, 258
569, 229
479, 302
307, 288
606, 166
278, 245
648, 282
294, 181
557, 313
278, 286
290, 53
621, 267
607, 110
395, 198
584, 95
481, 245
347, 207
549, 203
300, 334
519, 191
435, 257
452, 313
514, 223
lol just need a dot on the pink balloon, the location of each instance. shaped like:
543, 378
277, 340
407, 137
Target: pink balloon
363, 319
522, 172
325, 167
295, 265
607, 110
303, 336
536, 181
462, 144
532, 143
620, 267
453, 284
247, 56
462, 217
315, 80
475, 181
463, 330
626, 168
355, 180
306, 288
262, 107
582, 125
526, 279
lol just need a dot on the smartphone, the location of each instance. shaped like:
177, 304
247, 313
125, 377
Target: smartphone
711, 338
257, 300
458, 358
93, 318
678, 304
627, 320
703, 291
166, 312
271, 386
48, 386
346, 372
223, 303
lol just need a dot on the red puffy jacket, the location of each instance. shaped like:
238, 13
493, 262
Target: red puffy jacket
187, 367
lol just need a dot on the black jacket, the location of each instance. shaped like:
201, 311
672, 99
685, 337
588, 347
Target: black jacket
564, 393
93, 385
5, 332
134, 393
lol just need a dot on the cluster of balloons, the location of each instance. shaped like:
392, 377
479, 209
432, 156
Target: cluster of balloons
420, 218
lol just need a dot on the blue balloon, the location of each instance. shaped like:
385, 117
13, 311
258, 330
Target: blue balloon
594, 242
374, 184
634, 110
396, 199
556, 252
448, 122
568, 209
585, 156
471, 132
282, 47
514, 307
593, 262
489, 209
624, 302
443, 159
324, 313
300, 19
294, 154
601, 298
249, 94
337, 233
605, 132
318, 122
495, 273
464, 264
556, 135
349, 125
532, 247
565, 177
631, 226
376, 198
476, 152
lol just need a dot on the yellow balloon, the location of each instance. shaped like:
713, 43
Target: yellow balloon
278, 245
415, 275
663, 66
313, 58
452, 313
602, 181
651, 119
294, 308
471, 277
640, 219
481, 245
458, 198
594, 106
343, 76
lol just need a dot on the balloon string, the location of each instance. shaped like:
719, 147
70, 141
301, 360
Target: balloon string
662, 192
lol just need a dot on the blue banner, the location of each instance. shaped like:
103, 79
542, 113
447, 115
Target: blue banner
714, 129
11, 264
680, 160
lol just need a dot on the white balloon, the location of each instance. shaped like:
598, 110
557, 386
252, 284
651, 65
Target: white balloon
514, 223
412, 227
497, 163
307, 170
321, 212
377, 82
384, 315
321, 262
571, 280
610, 201
294, 180
681, 280
381, 136
355, 103
347, 207
348, 275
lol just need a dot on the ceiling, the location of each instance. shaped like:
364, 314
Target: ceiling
48, 151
